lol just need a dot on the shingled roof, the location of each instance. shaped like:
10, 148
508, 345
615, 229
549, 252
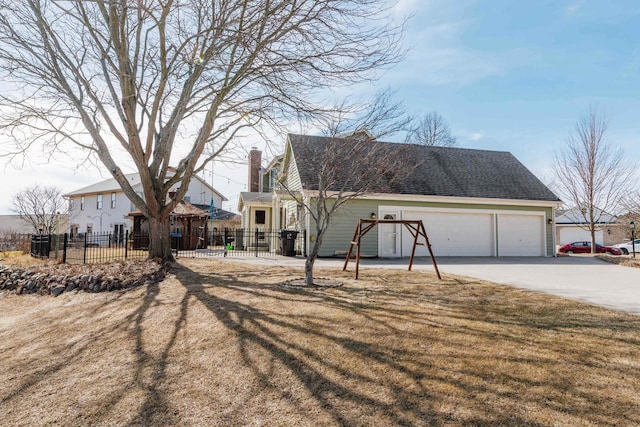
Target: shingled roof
433, 171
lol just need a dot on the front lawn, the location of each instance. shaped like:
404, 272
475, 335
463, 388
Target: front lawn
222, 343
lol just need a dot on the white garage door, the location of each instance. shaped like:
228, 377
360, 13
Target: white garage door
570, 234
520, 235
452, 233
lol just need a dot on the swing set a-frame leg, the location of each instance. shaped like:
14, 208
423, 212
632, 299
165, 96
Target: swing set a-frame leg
353, 242
433, 258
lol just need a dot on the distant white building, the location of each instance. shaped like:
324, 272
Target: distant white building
19, 224
103, 207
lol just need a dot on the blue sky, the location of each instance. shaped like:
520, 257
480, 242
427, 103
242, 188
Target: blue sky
516, 76
506, 75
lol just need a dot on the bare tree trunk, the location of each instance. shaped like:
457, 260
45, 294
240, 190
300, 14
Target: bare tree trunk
311, 259
159, 239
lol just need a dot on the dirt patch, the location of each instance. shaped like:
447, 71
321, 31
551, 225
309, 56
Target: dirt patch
318, 283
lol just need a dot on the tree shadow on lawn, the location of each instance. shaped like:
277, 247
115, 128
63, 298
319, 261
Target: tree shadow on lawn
399, 357
289, 341
368, 353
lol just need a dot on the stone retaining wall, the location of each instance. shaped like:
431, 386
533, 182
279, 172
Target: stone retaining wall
56, 279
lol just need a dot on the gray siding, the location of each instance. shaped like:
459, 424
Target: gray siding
338, 236
293, 182
340, 232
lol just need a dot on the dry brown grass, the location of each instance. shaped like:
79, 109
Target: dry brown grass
221, 343
626, 260
22, 260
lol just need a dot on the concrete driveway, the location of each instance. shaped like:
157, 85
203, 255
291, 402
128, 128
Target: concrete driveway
579, 278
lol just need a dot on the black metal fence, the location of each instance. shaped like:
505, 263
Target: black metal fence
246, 242
90, 248
104, 247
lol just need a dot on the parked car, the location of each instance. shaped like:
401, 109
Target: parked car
627, 247
585, 248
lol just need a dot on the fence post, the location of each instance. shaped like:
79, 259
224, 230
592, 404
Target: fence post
84, 252
255, 242
64, 248
126, 243
56, 245
304, 242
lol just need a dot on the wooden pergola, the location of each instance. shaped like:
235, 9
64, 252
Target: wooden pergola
416, 228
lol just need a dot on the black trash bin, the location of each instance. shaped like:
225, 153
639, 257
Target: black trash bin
287, 242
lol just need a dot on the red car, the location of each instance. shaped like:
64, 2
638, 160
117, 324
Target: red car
585, 248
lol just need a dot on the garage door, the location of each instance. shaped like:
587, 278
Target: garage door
453, 234
520, 235
569, 234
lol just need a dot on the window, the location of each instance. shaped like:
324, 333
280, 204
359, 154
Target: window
89, 228
113, 200
261, 217
81, 203
99, 201
71, 205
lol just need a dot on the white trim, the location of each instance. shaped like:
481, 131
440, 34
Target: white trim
461, 200
464, 210
397, 213
444, 199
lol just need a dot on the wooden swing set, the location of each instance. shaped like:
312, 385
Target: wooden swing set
416, 228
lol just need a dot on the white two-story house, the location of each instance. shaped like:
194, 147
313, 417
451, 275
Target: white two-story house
104, 208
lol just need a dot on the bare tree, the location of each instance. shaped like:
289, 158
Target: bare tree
41, 207
154, 84
631, 207
347, 165
432, 129
590, 171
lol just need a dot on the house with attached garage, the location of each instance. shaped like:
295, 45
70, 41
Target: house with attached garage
572, 225
472, 202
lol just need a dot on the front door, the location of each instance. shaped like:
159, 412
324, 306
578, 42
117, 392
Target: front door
389, 239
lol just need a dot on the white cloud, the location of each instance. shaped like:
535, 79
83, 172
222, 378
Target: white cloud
466, 135
437, 54
458, 65
405, 7
476, 136
574, 7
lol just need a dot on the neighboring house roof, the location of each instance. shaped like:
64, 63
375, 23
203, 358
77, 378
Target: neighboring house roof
182, 209
254, 198
105, 186
274, 162
440, 171
575, 216
110, 185
219, 214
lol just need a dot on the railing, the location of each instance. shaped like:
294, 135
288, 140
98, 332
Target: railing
104, 247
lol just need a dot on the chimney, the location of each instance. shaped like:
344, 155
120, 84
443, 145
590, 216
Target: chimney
255, 161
